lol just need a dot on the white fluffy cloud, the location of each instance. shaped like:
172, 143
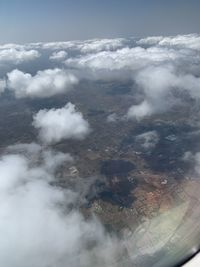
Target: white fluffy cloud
158, 80
17, 56
60, 55
158, 85
123, 59
191, 41
37, 223
139, 111
98, 45
45, 83
58, 124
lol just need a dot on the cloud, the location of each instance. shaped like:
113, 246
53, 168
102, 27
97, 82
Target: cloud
159, 85
155, 83
60, 55
2, 85
50, 159
123, 63
148, 140
80, 47
163, 78
159, 66
40, 223
139, 111
58, 124
125, 58
13, 46
191, 41
45, 83
17, 56
150, 40
97, 45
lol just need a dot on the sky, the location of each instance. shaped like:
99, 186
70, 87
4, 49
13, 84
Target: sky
23, 21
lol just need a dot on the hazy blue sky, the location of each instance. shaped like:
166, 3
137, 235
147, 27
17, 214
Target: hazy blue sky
53, 20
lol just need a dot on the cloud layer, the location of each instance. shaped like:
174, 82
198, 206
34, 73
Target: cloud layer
57, 124
157, 65
191, 41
